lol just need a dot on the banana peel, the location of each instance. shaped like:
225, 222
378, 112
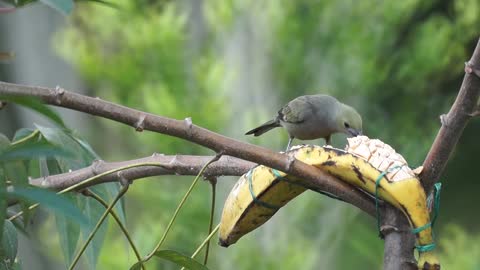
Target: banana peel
262, 191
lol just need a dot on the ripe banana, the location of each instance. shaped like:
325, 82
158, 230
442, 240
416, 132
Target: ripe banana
258, 194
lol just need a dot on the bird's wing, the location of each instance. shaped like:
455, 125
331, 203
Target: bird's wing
295, 111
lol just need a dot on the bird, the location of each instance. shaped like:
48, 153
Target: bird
314, 116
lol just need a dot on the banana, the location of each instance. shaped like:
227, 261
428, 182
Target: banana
262, 191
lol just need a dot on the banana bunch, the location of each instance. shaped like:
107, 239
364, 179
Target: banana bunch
261, 192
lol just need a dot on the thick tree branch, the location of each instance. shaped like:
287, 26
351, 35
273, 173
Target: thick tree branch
188, 131
453, 123
399, 241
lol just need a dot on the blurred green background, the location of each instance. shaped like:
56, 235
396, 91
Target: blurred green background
230, 65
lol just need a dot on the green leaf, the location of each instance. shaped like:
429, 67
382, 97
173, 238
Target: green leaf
19, 3
64, 6
177, 258
30, 150
16, 173
83, 156
36, 105
111, 188
8, 245
60, 137
55, 202
94, 210
68, 230
3, 200
4, 143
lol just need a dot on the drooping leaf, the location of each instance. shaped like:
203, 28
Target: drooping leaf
64, 6
8, 245
68, 230
30, 150
177, 258
111, 188
60, 137
3, 200
16, 172
36, 105
4, 143
83, 157
55, 202
19, 3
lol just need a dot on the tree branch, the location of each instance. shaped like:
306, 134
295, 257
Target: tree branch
178, 165
188, 131
399, 241
453, 123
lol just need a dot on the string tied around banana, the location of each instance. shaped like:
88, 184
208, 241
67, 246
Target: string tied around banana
367, 164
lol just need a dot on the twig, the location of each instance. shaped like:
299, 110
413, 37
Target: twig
88, 192
180, 205
206, 241
97, 226
213, 184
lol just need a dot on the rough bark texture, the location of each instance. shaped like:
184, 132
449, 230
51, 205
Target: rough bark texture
167, 165
399, 241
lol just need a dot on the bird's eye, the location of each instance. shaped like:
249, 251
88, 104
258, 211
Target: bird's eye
346, 125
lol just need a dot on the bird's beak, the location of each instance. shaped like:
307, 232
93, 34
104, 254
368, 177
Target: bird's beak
354, 132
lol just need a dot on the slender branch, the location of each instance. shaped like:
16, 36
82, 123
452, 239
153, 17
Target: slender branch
26, 138
180, 205
205, 241
170, 165
95, 196
188, 131
213, 184
453, 123
97, 226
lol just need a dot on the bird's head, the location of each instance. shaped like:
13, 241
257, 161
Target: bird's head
349, 121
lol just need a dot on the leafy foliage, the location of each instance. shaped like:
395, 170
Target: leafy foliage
8, 246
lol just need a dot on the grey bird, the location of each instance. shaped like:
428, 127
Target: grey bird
314, 116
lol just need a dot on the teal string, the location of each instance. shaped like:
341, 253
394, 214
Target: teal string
377, 183
424, 227
254, 197
436, 210
425, 248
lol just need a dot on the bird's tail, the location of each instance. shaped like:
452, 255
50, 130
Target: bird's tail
264, 128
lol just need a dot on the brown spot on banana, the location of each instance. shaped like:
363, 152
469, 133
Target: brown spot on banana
359, 174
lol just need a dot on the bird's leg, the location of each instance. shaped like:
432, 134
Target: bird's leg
327, 140
289, 142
